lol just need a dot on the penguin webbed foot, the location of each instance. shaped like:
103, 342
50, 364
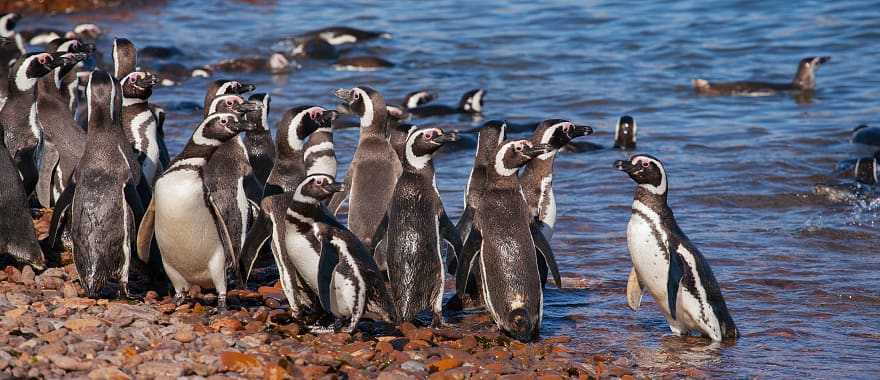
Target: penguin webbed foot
221, 303
437, 321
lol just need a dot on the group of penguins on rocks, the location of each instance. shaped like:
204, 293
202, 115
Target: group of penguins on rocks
122, 205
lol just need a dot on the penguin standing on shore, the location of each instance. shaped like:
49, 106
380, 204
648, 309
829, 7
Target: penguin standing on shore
804, 80
192, 245
102, 205
374, 169
140, 124
414, 227
666, 262
258, 142
502, 246
319, 155
11, 48
471, 103
17, 235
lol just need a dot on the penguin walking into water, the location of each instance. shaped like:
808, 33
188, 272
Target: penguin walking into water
666, 263
18, 118
504, 248
258, 142
193, 247
804, 80
102, 206
413, 229
625, 133
471, 103
374, 169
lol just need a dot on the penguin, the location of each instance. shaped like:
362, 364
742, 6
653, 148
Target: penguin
69, 83
17, 235
44, 36
864, 169
490, 136
666, 263
294, 127
866, 135
349, 282
374, 169
471, 103
319, 155
338, 35
804, 80
194, 247
140, 123
413, 229
10, 50
362, 63
418, 98
102, 205
276, 63
18, 118
625, 133
504, 248
8, 21
315, 48
63, 140
258, 142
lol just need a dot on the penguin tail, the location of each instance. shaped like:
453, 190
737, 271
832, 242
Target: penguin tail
729, 330
520, 325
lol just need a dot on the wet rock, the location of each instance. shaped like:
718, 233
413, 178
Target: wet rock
241, 363
68, 363
28, 275
160, 369
413, 366
444, 364
69, 290
226, 325
108, 373
82, 323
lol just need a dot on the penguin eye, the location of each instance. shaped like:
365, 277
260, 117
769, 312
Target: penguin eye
224, 121
355, 96
645, 164
43, 59
518, 148
428, 135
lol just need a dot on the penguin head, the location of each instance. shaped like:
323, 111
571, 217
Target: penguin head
422, 143
625, 133
89, 31
278, 63
866, 170
520, 326
219, 127
261, 116
805, 78
124, 57
647, 171
138, 85
104, 99
558, 133
317, 187
397, 114
35, 65
365, 102
419, 98
304, 120
7, 23
514, 154
472, 101
201, 72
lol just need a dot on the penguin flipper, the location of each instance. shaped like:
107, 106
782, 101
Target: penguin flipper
59, 215
229, 248
466, 223
326, 266
379, 235
256, 238
49, 164
543, 247
252, 188
469, 254
145, 232
450, 234
339, 198
634, 291
674, 281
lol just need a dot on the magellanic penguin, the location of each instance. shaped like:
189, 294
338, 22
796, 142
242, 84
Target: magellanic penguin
804, 80
63, 140
866, 135
195, 249
11, 47
140, 123
865, 169
625, 133
374, 168
418, 98
666, 262
276, 63
504, 248
471, 103
362, 63
413, 229
294, 127
17, 235
102, 206
258, 142
23, 136
338, 35
319, 155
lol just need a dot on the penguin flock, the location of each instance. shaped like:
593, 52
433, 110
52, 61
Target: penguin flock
90, 145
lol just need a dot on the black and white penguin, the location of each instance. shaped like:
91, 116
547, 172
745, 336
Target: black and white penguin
102, 205
258, 142
17, 235
374, 169
319, 155
625, 133
418, 98
276, 63
362, 63
140, 122
666, 263
194, 247
8, 21
315, 48
414, 227
804, 80
44, 36
294, 127
490, 136
866, 135
503, 247
471, 103
63, 140
338, 35
10, 50
18, 118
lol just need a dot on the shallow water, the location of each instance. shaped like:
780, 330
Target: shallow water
798, 271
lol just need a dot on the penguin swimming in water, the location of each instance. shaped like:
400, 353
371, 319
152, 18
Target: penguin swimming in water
418, 98
666, 263
471, 103
504, 248
362, 63
338, 35
17, 235
258, 142
625, 133
374, 168
102, 206
804, 80
866, 135
194, 249
276, 63
413, 229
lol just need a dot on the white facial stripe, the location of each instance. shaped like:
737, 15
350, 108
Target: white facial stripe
658, 190
199, 136
4, 23
367, 119
548, 134
500, 168
225, 87
317, 148
414, 100
300, 217
337, 39
418, 162
477, 101
293, 139
65, 47
323, 165
22, 81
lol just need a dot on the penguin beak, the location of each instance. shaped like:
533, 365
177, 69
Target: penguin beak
246, 88
581, 130
334, 187
86, 48
445, 138
328, 116
345, 95
147, 81
821, 60
247, 107
624, 166
537, 150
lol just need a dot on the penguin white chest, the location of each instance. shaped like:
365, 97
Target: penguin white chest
303, 256
344, 295
185, 229
646, 240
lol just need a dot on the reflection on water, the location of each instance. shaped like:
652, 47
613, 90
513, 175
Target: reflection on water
799, 271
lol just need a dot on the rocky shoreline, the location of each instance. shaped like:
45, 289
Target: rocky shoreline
64, 6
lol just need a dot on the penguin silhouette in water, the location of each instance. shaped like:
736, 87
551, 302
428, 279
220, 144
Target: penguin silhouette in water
102, 206
503, 246
804, 80
666, 263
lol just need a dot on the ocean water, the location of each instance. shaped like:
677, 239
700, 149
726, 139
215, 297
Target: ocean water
799, 272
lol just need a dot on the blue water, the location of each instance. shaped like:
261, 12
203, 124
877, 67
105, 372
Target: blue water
799, 272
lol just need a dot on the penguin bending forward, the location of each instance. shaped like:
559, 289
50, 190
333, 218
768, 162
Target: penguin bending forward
503, 247
666, 262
